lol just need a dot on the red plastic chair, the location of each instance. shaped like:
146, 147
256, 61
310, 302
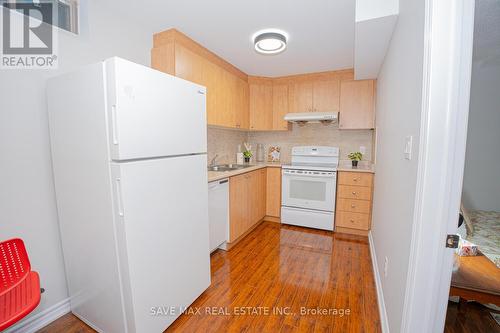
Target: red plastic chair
19, 286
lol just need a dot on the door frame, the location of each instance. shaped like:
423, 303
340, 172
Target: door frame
448, 41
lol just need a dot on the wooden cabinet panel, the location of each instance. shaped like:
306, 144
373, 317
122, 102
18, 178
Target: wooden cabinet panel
353, 220
357, 104
302, 96
261, 104
261, 181
257, 196
227, 87
247, 202
280, 106
354, 192
242, 104
326, 95
192, 67
273, 192
227, 100
355, 178
355, 206
238, 206
163, 58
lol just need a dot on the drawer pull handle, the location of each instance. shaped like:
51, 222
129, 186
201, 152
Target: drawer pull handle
353, 193
355, 179
352, 221
353, 206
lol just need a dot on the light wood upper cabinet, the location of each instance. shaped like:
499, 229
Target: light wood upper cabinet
269, 102
302, 96
326, 95
236, 100
227, 87
194, 68
357, 104
280, 106
261, 103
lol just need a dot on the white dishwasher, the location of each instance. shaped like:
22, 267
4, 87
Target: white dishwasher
218, 213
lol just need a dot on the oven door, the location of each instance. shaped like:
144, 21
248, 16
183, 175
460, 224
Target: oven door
308, 189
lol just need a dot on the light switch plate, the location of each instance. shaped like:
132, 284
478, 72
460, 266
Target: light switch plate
408, 147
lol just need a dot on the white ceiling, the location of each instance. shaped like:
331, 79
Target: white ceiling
487, 32
321, 31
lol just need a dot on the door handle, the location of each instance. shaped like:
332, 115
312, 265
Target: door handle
114, 126
119, 196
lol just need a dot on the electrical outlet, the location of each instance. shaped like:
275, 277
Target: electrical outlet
362, 150
408, 147
386, 266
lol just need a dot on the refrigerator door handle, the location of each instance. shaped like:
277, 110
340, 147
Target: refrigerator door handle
119, 196
114, 125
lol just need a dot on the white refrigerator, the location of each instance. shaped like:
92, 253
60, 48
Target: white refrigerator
129, 160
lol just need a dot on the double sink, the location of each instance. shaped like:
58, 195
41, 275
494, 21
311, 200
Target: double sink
228, 167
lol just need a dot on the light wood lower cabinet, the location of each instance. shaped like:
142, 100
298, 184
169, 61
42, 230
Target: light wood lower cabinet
273, 192
354, 202
247, 202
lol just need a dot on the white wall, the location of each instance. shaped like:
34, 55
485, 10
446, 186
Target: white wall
27, 199
481, 188
399, 93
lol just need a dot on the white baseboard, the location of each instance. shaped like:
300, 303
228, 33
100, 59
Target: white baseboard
41, 319
378, 284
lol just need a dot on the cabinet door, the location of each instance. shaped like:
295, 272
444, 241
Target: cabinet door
326, 95
273, 192
238, 206
261, 105
261, 190
280, 106
356, 104
242, 112
227, 100
302, 96
194, 68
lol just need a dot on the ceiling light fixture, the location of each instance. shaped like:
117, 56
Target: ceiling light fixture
270, 42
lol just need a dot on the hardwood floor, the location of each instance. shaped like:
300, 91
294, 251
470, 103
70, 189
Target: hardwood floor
471, 318
297, 271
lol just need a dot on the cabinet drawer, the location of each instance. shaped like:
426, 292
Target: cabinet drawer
354, 192
355, 206
353, 220
355, 178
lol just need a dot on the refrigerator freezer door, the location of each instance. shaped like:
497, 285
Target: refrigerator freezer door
163, 209
152, 114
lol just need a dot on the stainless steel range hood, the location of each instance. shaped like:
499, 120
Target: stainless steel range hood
313, 117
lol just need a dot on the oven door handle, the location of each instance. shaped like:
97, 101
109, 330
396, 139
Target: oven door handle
329, 176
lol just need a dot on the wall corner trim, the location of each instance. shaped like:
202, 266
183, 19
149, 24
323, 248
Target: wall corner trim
378, 284
41, 319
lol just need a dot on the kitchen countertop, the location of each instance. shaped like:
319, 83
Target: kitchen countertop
218, 175
362, 167
343, 166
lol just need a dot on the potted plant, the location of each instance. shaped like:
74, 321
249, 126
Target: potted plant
355, 157
247, 153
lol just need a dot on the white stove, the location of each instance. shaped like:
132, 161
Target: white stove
308, 187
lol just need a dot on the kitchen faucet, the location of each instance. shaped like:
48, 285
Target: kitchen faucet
212, 163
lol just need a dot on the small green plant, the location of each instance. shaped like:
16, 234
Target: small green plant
355, 156
247, 153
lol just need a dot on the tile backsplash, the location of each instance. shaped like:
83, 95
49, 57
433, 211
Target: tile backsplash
224, 142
